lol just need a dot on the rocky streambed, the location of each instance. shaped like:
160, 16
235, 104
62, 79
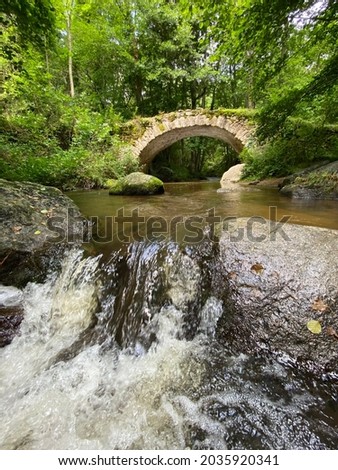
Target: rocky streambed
272, 279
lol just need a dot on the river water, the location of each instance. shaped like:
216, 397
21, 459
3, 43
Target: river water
121, 349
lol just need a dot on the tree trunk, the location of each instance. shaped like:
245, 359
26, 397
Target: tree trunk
193, 95
70, 49
46, 56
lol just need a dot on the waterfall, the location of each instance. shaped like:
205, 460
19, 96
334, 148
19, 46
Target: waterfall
123, 353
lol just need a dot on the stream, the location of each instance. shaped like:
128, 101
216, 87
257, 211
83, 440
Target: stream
122, 349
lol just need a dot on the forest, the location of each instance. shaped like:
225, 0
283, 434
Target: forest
74, 71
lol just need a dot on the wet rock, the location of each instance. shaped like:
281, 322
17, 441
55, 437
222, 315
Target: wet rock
137, 184
10, 321
10, 296
317, 183
38, 224
11, 313
280, 278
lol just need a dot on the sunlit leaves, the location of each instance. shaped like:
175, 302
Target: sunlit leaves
35, 20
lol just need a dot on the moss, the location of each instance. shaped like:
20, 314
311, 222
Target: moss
171, 117
108, 183
134, 129
323, 180
161, 126
137, 184
116, 187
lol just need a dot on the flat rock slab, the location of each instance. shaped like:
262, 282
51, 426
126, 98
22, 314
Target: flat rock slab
281, 278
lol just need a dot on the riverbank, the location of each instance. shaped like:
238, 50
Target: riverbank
315, 182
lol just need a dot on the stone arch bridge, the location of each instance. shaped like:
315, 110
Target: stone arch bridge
149, 136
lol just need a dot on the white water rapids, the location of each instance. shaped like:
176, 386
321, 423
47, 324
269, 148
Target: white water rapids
177, 394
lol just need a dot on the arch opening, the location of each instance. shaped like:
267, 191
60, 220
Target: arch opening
193, 158
167, 139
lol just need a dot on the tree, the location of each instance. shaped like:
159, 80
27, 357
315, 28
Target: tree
34, 19
69, 7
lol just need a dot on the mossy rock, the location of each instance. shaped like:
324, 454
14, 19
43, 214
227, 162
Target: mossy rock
109, 183
115, 187
137, 184
320, 183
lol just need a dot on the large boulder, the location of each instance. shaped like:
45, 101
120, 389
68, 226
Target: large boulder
280, 278
38, 224
231, 178
137, 184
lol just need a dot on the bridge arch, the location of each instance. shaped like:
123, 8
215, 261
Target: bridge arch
164, 130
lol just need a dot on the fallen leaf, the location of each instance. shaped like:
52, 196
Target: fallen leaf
37, 232
257, 268
232, 275
314, 326
16, 229
331, 332
44, 211
319, 305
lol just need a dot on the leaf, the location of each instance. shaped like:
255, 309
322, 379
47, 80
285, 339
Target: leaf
314, 326
37, 232
44, 211
232, 275
257, 268
16, 229
319, 305
332, 332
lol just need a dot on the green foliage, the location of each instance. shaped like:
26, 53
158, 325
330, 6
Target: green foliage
148, 56
219, 160
194, 158
300, 145
35, 19
68, 169
273, 117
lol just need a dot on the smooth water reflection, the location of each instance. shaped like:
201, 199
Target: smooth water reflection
159, 216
